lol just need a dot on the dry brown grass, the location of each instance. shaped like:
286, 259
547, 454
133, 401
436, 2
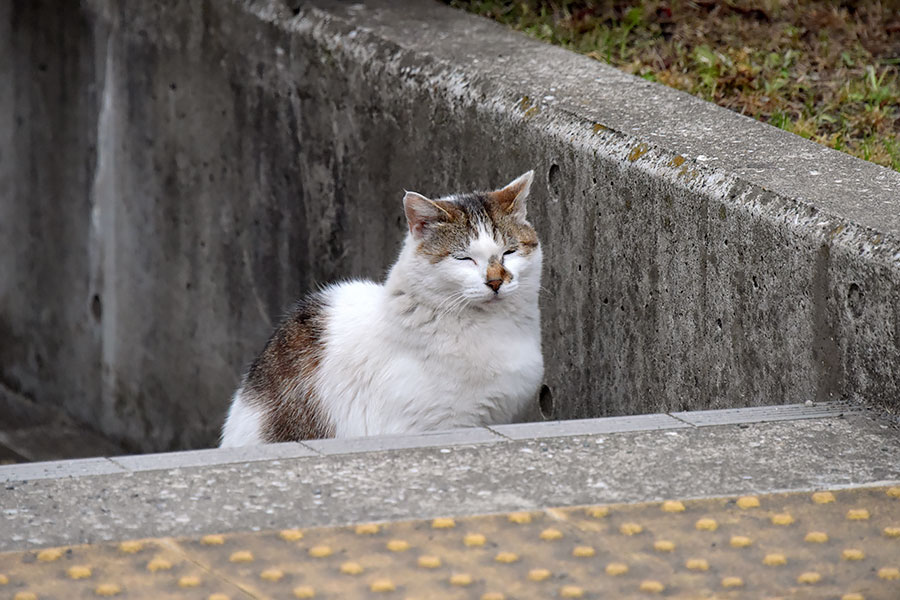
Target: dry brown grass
826, 70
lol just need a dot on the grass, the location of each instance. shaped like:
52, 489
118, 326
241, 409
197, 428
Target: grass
826, 70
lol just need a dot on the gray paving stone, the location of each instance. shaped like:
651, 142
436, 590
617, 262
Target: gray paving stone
762, 414
524, 431
59, 469
458, 437
212, 456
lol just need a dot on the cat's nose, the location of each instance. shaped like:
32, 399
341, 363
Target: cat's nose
494, 284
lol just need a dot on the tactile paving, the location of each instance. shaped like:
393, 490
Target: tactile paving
842, 544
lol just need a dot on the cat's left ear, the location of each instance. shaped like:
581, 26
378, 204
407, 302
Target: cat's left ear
512, 197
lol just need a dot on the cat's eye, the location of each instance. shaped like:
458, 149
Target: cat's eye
510, 251
464, 258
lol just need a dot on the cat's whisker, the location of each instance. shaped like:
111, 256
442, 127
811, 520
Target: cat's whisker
458, 300
446, 302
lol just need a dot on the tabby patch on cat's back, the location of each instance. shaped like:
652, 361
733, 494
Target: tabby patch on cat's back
450, 339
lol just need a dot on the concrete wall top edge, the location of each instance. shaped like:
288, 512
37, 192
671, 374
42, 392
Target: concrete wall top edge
546, 83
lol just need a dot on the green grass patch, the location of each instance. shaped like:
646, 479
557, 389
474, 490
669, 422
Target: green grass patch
826, 70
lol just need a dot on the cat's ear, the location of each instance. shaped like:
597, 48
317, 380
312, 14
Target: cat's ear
512, 198
422, 212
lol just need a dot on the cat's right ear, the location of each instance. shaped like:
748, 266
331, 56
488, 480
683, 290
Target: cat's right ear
422, 212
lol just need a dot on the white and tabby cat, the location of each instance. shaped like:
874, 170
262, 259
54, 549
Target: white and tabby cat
451, 339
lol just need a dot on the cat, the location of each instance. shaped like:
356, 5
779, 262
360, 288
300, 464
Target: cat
451, 339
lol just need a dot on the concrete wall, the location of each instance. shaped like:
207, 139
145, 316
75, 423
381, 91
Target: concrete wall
173, 174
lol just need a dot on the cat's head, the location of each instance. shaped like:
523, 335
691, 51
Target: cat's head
475, 248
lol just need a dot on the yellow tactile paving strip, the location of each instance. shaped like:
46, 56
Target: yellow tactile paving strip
842, 544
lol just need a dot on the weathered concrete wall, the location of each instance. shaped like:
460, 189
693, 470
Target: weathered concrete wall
182, 171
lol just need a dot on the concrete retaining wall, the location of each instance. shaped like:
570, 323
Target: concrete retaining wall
173, 174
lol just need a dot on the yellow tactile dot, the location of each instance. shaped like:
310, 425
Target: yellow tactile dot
4, 579
461, 579
351, 568
706, 525
774, 560
241, 556
158, 564
740, 541
892, 531
672, 506
290, 535
131, 547
474, 539
108, 589
853, 596
893, 492
664, 545
320, 551
816, 537
853, 554
551, 534
189, 581
616, 568
382, 585
367, 529
730, 582
397, 545
652, 586
823, 497
857, 514
303, 592
631, 528
78, 572
272, 575
746, 502
809, 577
697, 564
493, 596
212, 540
25, 596
597, 512
49, 555
519, 517
782, 519
538, 574
571, 591
429, 562
889, 573
583, 551
506, 557
443, 523
217, 597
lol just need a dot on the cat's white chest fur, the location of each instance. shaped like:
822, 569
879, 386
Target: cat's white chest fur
419, 371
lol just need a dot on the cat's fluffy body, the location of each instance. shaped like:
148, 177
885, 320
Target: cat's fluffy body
451, 339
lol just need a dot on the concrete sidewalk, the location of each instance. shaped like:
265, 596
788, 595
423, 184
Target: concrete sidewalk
214, 516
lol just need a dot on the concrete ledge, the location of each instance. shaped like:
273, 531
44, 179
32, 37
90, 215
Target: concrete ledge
60, 469
208, 163
763, 414
212, 456
445, 480
458, 437
441, 440
525, 431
